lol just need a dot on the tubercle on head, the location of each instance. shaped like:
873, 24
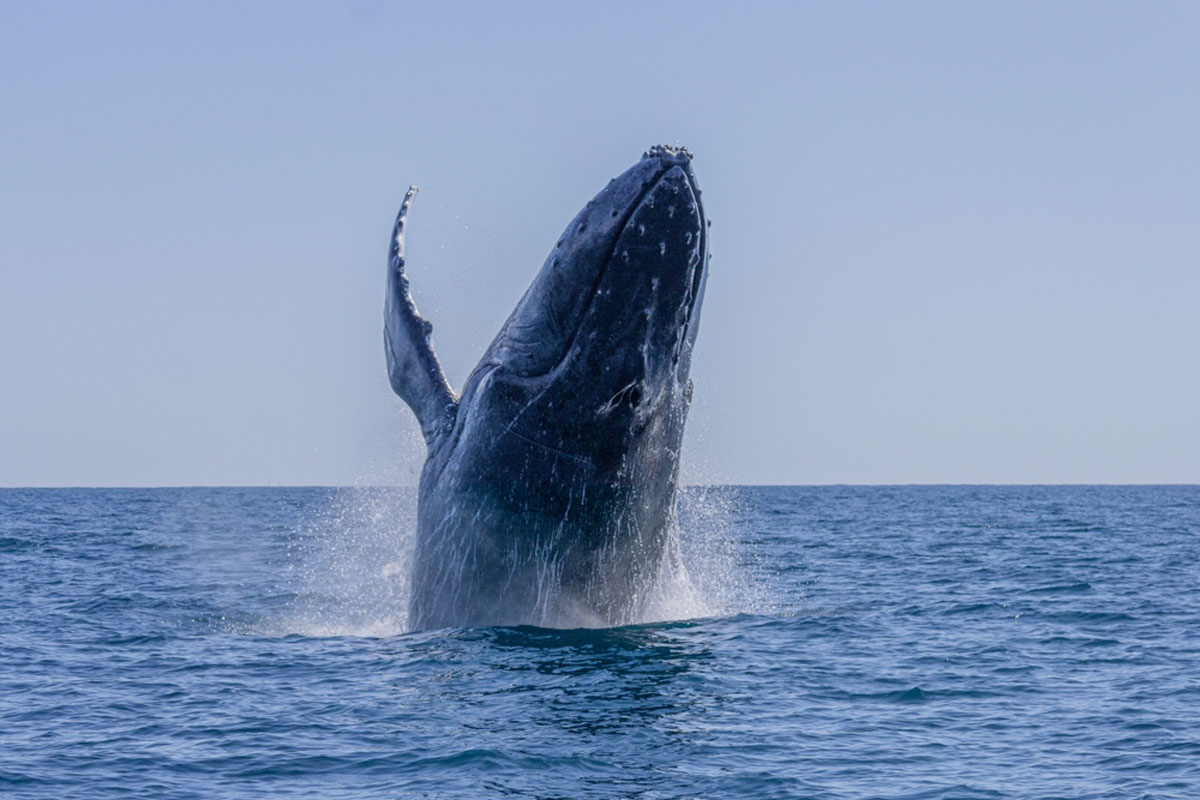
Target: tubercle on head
669, 151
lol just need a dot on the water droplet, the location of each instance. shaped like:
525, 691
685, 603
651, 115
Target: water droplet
641, 230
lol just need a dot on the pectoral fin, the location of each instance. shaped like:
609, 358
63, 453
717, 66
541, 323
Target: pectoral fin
413, 368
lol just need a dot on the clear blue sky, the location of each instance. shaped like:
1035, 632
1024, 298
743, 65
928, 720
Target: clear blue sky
953, 242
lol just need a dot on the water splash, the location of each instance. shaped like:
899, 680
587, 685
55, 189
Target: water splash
351, 565
723, 563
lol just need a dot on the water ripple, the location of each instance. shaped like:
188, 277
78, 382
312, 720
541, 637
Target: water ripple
890, 642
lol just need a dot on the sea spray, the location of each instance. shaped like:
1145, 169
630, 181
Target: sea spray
724, 563
350, 564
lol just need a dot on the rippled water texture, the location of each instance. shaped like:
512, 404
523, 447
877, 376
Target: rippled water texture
894, 642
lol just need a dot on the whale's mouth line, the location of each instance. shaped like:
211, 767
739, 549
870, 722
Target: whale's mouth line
626, 217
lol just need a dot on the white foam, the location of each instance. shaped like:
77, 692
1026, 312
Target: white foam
352, 564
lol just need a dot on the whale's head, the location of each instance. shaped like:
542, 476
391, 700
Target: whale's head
591, 369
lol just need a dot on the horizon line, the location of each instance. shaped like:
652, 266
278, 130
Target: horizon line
687, 486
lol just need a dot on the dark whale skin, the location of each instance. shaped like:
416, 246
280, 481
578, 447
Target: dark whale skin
548, 492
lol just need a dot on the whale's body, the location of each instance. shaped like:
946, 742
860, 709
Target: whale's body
548, 492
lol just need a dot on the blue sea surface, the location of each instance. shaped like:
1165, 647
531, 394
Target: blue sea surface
841, 642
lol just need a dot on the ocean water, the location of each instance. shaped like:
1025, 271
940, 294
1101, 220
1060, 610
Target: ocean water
833, 642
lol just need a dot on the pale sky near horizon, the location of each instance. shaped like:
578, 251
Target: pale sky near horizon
952, 242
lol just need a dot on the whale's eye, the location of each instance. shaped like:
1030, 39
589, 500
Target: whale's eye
631, 394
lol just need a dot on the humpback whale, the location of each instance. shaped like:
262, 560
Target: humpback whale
547, 496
